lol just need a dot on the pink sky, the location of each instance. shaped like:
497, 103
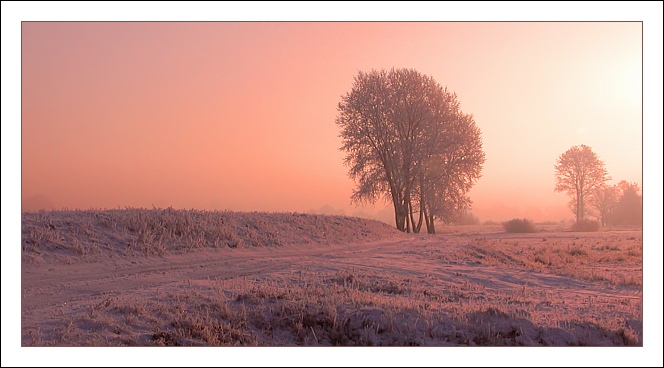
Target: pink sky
484, 69
240, 115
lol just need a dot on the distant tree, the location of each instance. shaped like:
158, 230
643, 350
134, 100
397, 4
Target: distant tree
406, 140
578, 172
624, 186
629, 209
604, 199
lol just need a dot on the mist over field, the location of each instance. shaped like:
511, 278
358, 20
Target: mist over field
332, 184
244, 112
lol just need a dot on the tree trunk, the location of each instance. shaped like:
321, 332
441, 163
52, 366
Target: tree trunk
403, 207
410, 216
416, 227
428, 218
407, 223
432, 228
398, 218
579, 201
419, 221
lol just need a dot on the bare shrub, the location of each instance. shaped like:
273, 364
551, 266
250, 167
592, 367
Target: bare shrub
519, 226
586, 225
467, 218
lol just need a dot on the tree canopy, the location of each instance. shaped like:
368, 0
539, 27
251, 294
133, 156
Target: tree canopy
406, 140
619, 204
629, 209
578, 172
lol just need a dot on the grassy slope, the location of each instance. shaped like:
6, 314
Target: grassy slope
88, 235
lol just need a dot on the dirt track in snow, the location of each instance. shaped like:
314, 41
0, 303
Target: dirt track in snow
53, 292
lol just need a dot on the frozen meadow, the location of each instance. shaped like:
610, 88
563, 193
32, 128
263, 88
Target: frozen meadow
167, 277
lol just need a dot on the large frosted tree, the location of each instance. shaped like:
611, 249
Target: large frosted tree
578, 172
406, 140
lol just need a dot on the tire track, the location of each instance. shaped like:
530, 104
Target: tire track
84, 281
52, 293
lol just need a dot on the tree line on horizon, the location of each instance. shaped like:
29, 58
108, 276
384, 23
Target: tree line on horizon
582, 175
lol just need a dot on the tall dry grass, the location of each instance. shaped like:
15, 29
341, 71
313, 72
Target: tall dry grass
75, 235
615, 259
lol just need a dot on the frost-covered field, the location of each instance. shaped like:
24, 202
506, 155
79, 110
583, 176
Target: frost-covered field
166, 277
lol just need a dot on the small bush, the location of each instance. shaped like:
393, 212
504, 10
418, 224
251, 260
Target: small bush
519, 226
586, 225
468, 218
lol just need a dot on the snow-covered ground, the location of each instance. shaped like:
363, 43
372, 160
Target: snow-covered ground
138, 277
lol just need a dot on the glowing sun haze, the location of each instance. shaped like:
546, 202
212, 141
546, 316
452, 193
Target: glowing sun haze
241, 115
